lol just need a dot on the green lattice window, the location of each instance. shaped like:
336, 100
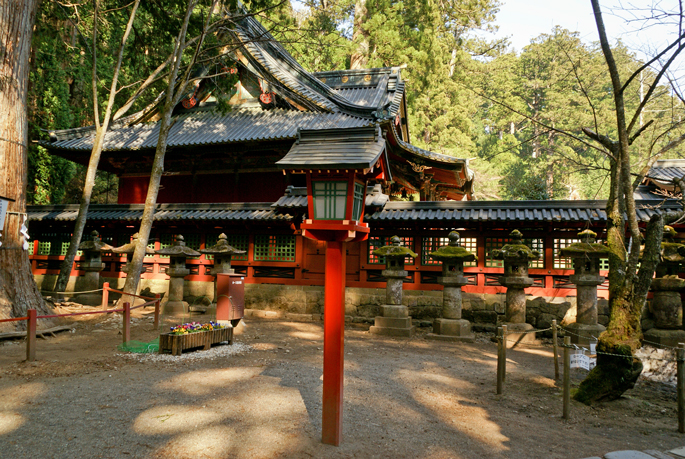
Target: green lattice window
274, 247
53, 244
31, 247
358, 201
238, 241
559, 261
492, 243
375, 242
165, 240
431, 244
330, 200
193, 241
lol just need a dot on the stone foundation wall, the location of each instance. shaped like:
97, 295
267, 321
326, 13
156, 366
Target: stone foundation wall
484, 311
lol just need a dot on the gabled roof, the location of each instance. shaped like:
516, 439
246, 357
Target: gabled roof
357, 148
344, 99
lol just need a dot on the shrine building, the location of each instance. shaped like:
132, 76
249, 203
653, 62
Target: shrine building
221, 177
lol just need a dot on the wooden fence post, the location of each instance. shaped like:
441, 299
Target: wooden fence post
127, 322
680, 358
556, 349
157, 301
31, 335
567, 376
501, 359
105, 295
504, 353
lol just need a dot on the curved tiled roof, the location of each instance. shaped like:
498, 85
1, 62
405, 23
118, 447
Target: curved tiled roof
168, 212
209, 128
465, 212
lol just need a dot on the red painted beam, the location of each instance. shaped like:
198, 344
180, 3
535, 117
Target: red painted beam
333, 343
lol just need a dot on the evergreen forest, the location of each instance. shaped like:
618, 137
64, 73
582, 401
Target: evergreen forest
517, 116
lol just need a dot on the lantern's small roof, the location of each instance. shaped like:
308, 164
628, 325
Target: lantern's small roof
516, 250
453, 251
222, 247
394, 250
178, 248
95, 244
131, 247
350, 148
671, 251
587, 247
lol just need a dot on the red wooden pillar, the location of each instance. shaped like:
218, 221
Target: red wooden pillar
333, 343
127, 323
31, 335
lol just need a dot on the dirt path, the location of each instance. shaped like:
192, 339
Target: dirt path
262, 399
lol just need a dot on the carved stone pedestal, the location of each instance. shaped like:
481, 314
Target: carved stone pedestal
395, 320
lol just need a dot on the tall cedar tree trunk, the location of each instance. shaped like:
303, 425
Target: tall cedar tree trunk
174, 90
360, 36
614, 374
101, 130
18, 290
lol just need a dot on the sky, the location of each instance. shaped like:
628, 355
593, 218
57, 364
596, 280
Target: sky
523, 20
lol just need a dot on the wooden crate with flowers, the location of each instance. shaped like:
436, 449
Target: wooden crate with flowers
194, 335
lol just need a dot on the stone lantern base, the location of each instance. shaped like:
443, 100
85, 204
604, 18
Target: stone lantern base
518, 333
452, 330
665, 337
174, 308
89, 299
585, 331
395, 321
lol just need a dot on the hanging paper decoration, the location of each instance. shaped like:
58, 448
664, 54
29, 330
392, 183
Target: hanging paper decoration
24, 231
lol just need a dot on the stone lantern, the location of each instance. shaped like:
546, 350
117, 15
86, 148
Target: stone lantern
666, 305
586, 256
92, 265
395, 320
177, 252
451, 327
222, 253
516, 256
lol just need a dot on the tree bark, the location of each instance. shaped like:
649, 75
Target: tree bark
67, 263
617, 370
18, 290
174, 90
360, 36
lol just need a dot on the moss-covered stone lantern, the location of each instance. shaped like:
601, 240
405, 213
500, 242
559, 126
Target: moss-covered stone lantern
516, 256
92, 265
222, 252
666, 305
451, 326
586, 256
177, 252
395, 320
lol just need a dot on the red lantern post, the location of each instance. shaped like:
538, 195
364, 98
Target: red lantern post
337, 164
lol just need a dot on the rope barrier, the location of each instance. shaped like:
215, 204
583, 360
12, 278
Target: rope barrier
14, 319
73, 293
130, 294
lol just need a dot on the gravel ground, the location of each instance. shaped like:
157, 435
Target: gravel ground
261, 398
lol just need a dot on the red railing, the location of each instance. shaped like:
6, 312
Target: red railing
33, 316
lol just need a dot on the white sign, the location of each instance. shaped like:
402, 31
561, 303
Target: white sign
3, 212
580, 361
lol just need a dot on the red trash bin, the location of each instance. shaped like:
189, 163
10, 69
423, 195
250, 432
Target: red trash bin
230, 304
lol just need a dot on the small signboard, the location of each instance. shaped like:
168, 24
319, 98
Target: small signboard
580, 360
